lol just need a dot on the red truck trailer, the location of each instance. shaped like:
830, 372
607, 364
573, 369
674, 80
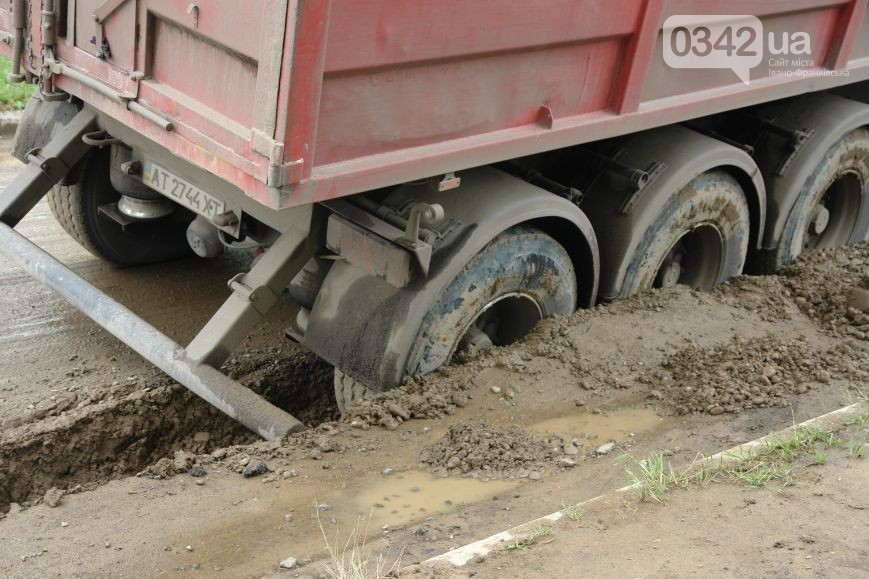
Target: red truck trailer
429, 177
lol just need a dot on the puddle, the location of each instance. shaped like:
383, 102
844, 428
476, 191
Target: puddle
410, 496
614, 425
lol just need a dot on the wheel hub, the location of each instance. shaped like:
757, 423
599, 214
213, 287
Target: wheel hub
670, 273
501, 322
820, 220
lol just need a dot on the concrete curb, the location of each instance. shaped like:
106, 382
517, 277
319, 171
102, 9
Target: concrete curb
9, 122
462, 555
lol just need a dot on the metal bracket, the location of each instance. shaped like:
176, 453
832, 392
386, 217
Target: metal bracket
652, 173
797, 139
449, 181
408, 239
262, 298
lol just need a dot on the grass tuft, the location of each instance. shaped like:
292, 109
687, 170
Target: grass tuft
348, 558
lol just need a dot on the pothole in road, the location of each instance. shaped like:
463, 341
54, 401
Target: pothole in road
121, 436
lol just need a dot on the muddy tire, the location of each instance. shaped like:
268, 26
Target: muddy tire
831, 209
699, 239
348, 390
76, 208
519, 278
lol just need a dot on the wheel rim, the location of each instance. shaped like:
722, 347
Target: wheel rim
834, 217
501, 322
694, 260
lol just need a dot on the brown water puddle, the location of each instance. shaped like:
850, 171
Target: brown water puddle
273, 527
612, 425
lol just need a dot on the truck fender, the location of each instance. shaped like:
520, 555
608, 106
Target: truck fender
366, 327
680, 154
830, 117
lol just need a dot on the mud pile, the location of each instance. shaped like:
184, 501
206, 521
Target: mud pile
832, 287
433, 396
750, 373
477, 449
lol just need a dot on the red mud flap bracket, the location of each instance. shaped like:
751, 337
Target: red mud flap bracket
45, 168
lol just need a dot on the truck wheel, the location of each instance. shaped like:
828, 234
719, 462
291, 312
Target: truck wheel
519, 278
76, 208
700, 239
827, 212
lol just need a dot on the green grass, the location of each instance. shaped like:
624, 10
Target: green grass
769, 466
12, 96
574, 512
540, 530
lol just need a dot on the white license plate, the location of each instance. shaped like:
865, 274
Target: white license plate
179, 190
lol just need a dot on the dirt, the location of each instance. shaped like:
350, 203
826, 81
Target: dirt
480, 450
90, 428
723, 530
751, 373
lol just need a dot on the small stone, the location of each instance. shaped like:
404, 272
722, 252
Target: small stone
53, 497
534, 475
716, 410
580, 402
198, 471
189, 548
566, 462
606, 448
324, 507
219, 453
254, 468
202, 437
858, 298
387, 471
496, 389
64, 524
289, 563
570, 449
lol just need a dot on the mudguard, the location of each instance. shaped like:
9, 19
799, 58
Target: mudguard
39, 123
683, 154
366, 327
830, 117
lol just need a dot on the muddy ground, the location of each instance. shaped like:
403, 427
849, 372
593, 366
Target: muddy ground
107, 467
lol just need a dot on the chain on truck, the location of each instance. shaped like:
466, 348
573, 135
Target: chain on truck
425, 178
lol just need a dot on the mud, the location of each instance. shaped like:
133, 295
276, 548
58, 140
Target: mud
483, 451
121, 434
80, 412
752, 373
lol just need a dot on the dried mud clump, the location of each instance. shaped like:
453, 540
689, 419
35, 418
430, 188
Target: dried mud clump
433, 396
831, 286
477, 449
752, 373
